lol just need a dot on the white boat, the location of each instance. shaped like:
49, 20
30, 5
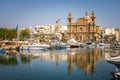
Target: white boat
89, 44
34, 46
61, 46
73, 43
116, 46
114, 60
101, 44
82, 44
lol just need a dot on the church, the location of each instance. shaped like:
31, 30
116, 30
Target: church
83, 29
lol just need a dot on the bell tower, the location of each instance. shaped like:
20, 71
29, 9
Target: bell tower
93, 17
69, 24
93, 24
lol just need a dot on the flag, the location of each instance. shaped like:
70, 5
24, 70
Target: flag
17, 27
17, 31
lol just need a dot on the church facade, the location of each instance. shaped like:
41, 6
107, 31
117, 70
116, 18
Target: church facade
83, 29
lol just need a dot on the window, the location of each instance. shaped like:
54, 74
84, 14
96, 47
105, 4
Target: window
81, 29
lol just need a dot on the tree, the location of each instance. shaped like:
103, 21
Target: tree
37, 35
8, 33
25, 34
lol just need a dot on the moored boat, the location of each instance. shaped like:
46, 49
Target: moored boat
89, 44
74, 46
116, 46
73, 43
58, 45
101, 44
116, 74
82, 44
114, 60
61, 46
34, 46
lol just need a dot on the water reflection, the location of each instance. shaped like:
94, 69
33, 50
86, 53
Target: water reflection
83, 59
25, 58
89, 62
9, 58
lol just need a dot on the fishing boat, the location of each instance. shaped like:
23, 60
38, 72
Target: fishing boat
34, 46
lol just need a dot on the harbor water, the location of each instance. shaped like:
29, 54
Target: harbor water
65, 64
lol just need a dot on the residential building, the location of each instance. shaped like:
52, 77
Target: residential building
51, 31
112, 34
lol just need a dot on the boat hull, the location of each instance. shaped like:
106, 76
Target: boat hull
30, 47
114, 60
74, 46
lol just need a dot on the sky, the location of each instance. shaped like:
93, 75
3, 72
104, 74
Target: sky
43, 12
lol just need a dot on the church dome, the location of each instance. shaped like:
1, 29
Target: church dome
87, 18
